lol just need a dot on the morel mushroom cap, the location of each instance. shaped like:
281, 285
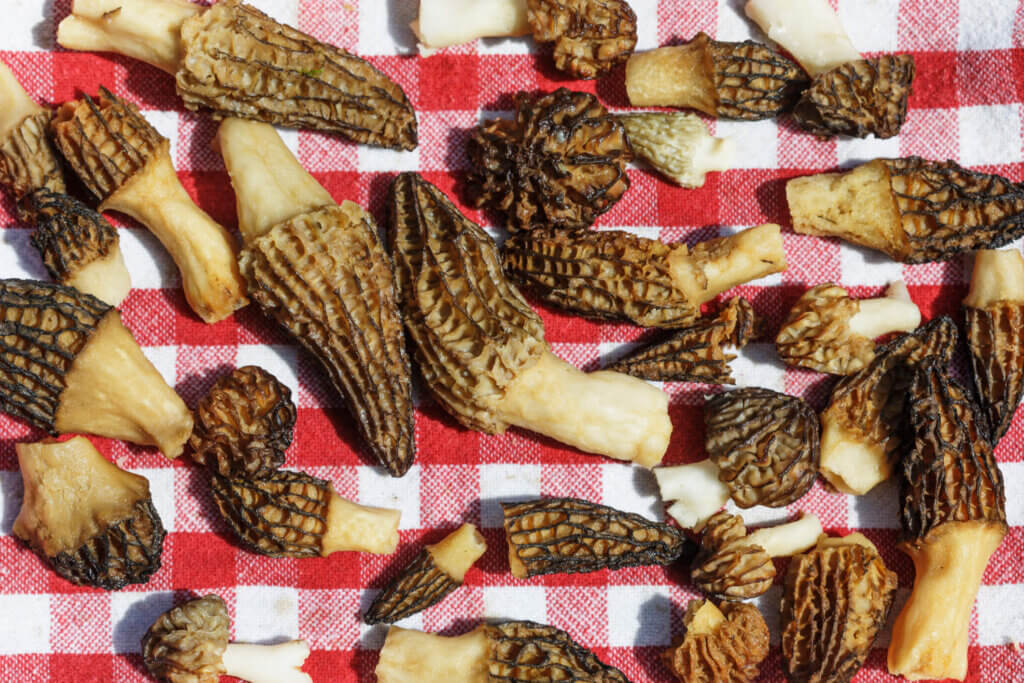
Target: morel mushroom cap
244, 424
678, 145
809, 30
568, 535
94, 522
829, 332
591, 36
994, 309
28, 161
697, 353
861, 436
560, 162
835, 602
914, 210
68, 364
861, 98
747, 81
724, 645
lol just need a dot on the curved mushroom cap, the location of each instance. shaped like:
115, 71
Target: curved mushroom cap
523, 651
560, 162
720, 646
244, 424
591, 36
765, 443
726, 569
186, 643
995, 339
817, 333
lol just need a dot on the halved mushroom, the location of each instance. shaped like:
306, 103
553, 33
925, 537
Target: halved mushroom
68, 364
94, 522
28, 161
481, 347
125, 162
239, 62
512, 651
724, 645
747, 81
809, 30
615, 275
678, 145
762, 448
914, 210
189, 644
830, 332
994, 309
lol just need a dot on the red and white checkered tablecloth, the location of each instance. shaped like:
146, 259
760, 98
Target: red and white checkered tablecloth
967, 106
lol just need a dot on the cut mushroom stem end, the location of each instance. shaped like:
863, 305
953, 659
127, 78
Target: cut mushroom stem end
785, 540
443, 23
410, 656
281, 663
809, 29
894, 312
351, 526
696, 489
15, 104
849, 462
998, 277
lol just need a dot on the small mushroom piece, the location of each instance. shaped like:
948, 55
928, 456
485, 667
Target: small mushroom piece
189, 644
291, 514
68, 365
860, 98
914, 210
745, 81
78, 246
481, 347
860, 433
125, 162
511, 651
809, 30
829, 332
28, 161
994, 309
436, 27
724, 645
697, 353
572, 536
615, 275
835, 602
678, 145
436, 572
953, 514
93, 522
237, 61
244, 424
735, 565
560, 162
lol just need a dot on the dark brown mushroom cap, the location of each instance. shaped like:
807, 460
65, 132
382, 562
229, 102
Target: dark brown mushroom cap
816, 334
68, 235
731, 654
950, 474
591, 36
560, 162
244, 424
861, 98
419, 586
766, 445
526, 652
186, 643
995, 339
28, 161
751, 81
725, 569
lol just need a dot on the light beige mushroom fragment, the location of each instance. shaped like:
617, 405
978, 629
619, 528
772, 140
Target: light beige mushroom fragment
678, 145
810, 30
443, 23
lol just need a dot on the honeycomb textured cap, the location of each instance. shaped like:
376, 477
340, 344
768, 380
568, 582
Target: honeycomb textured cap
725, 569
752, 81
28, 160
68, 235
524, 651
591, 37
995, 339
186, 643
416, 588
817, 335
731, 654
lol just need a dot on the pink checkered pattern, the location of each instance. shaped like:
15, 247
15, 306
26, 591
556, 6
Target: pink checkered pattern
967, 106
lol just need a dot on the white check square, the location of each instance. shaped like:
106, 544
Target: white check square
505, 483
29, 632
990, 135
266, 614
639, 616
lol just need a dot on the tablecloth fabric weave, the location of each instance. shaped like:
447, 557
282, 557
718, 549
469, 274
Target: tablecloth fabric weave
967, 106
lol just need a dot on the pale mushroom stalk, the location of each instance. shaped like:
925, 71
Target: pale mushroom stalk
364, 528
894, 312
281, 663
696, 489
15, 104
718, 265
678, 145
784, 540
410, 656
810, 30
998, 276
442, 23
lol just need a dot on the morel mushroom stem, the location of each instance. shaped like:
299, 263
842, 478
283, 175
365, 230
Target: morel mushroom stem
718, 265
410, 656
809, 30
696, 489
15, 104
998, 277
147, 30
443, 23
351, 526
281, 663
894, 312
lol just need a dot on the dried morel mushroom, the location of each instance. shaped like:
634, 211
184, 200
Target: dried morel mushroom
572, 536
829, 332
28, 161
861, 98
994, 309
291, 514
68, 364
953, 513
125, 162
724, 645
835, 601
809, 30
94, 522
189, 644
560, 162
697, 353
861, 435
481, 347
913, 210
437, 571
79, 247
615, 275
320, 271
511, 652
762, 448
735, 565
747, 80
237, 61
244, 424
678, 145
